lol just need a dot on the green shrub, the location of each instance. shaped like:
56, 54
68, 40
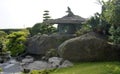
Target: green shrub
85, 29
8, 31
42, 28
39, 72
1, 70
50, 53
3, 38
113, 69
115, 35
16, 42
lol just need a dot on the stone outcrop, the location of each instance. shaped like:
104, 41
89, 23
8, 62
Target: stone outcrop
88, 47
39, 44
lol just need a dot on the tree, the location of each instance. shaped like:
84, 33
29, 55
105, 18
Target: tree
16, 42
112, 12
94, 21
99, 22
112, 15
42, 28
36, 29
46, 15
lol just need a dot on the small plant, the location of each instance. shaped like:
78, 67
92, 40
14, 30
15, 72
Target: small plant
85, 29
41, 71
113, 69
1, 70
50, 53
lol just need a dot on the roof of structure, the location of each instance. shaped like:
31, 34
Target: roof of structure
70, 18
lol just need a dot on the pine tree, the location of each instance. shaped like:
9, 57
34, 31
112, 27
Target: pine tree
46, 15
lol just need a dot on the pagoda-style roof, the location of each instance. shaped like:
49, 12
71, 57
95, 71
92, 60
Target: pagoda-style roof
70, 18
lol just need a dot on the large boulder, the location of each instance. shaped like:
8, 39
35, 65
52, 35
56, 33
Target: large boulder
88, 47
39, 44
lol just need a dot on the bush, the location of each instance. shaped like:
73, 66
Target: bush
46, 71
85, 29
16, 42
39, 72
3, 39
113, 69
42, 28
115, 35
1, 70
50, 53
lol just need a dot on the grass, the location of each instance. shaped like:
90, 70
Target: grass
88, 68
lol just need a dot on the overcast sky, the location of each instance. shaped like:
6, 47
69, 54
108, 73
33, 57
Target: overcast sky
25, 13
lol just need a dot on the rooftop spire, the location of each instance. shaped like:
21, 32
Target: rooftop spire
70, 13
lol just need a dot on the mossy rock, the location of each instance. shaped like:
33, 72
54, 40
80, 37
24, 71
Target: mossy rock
88, 47
40, 44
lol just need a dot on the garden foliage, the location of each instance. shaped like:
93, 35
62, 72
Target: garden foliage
16, 42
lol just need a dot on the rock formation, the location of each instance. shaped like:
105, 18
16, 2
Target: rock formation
40, 44
88, 47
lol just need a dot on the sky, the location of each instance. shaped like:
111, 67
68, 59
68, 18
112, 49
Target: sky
25, 13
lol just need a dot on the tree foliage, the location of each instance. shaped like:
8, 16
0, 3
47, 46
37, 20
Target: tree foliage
16, 42
46, 15
112, 15
112, 12
99, 22
115, 35
94, 21
42, 28
84, 29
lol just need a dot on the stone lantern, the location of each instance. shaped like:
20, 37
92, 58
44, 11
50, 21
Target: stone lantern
68, 24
